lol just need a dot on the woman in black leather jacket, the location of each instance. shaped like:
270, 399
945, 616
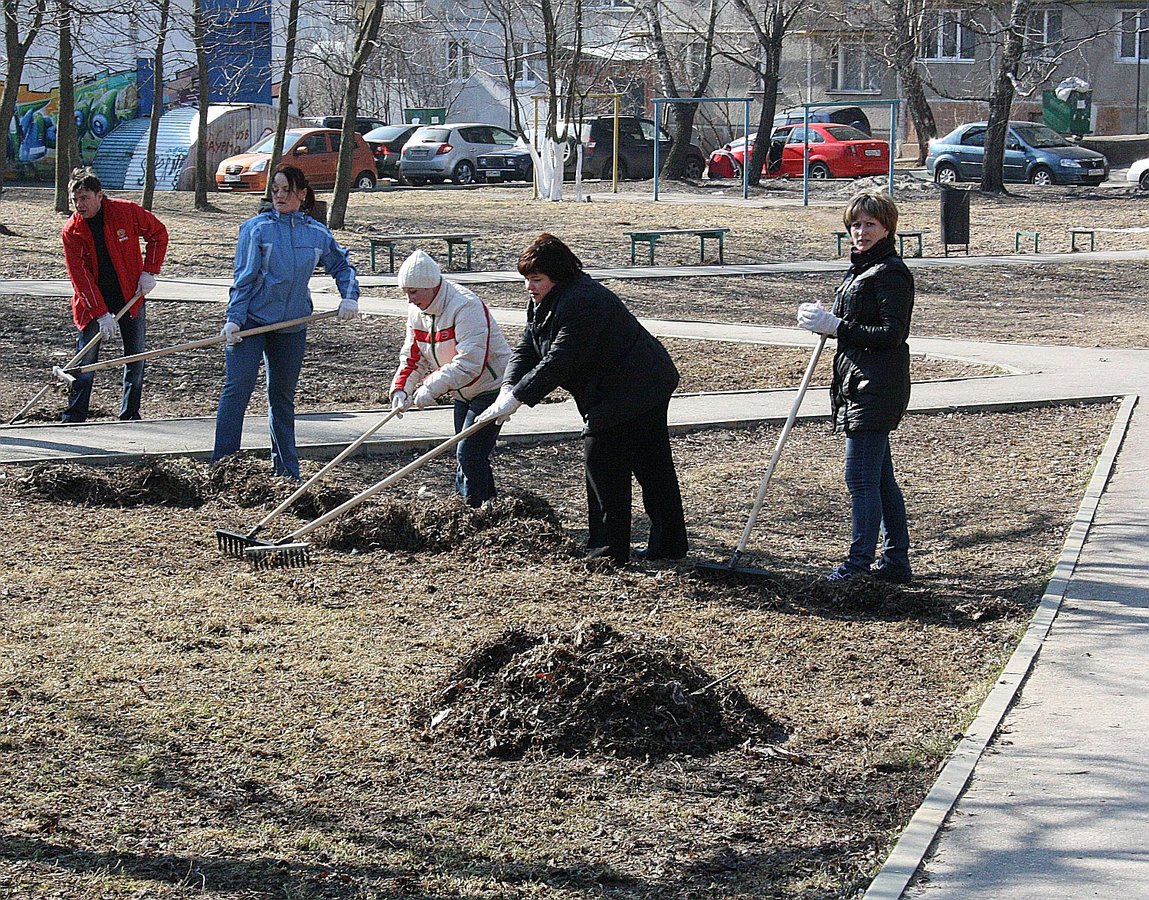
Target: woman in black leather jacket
581, 337
871, 384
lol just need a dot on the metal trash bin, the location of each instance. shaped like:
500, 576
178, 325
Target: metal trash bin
955, 217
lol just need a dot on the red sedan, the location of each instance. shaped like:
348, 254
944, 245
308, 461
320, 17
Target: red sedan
836, 151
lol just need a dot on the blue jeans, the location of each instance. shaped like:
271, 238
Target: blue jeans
132, 333
877, 506
283, 354
474, 480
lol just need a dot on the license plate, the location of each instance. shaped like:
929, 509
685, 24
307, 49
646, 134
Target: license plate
232, 179
1096, 171
873, 153
418, 154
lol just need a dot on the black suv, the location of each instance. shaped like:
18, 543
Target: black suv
635, 149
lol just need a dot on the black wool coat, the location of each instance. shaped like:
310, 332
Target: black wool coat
581, 337
871, 384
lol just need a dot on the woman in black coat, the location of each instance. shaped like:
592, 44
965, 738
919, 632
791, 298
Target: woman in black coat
581, 337
871, 385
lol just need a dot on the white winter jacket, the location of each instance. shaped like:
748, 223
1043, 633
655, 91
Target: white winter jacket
453, 347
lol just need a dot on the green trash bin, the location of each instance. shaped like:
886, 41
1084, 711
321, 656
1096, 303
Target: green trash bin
1070, 116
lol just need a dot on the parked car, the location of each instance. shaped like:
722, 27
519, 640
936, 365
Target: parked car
839, 115
836, 151
1033, 153
314, 150
363, 124
437, 152
512, 164
1139, 174
386, 143
635, 149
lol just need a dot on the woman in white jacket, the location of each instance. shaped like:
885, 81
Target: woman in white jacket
454, 348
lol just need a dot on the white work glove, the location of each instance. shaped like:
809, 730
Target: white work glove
423, 398
503, 408
348, 310
814, 318
147, 283
400, 403
231, 331
107, 323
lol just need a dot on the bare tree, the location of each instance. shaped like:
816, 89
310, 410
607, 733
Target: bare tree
67, 148
284, 91
200, 29
157, 105
681, 114
21, 28
365, 44
777, 18
1001, 99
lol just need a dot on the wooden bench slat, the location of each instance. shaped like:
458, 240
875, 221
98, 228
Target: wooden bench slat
653, 235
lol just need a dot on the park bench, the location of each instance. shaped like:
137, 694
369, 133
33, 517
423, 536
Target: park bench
1075, 233
1035, 236
653, 235
843, 236
453, 239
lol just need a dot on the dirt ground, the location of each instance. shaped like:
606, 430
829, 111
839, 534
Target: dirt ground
450, 705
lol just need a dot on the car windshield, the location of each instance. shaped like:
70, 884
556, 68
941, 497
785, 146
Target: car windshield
846, 133
1040, 136
264, 145
432, 135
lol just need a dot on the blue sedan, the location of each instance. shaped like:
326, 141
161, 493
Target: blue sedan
1033, 153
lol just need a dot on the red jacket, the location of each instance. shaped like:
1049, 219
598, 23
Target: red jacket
124, 224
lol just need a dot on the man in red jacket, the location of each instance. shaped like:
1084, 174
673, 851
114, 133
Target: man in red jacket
102, 253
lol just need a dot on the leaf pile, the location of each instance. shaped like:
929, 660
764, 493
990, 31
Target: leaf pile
514, 519
591, 691
164, 482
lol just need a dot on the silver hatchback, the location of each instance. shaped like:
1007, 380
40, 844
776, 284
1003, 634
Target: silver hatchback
435, 153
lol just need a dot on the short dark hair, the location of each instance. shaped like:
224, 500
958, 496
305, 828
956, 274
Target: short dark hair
296, 181
84, 179
875, 204
549, 256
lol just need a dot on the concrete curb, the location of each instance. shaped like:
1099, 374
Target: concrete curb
923, 828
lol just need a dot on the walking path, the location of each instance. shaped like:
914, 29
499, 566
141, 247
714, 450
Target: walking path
1056, 799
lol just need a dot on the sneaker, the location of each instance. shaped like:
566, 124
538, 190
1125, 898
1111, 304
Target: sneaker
842, 574
890, 575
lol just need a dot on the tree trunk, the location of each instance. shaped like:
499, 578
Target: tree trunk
16, 52
284, 92
366, 42
203, 96
66, 149
906, 53
157, 107
1001, 100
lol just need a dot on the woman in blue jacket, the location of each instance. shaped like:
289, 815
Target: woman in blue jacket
275, 257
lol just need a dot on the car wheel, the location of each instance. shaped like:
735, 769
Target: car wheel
464, 173
365, 181
945, 174
413, 180
693, 169
1143, 182
819, 170
1041, 175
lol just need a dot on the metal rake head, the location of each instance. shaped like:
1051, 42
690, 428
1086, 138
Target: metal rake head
234, 544
279, 556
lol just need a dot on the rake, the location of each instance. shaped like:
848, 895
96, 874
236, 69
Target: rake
235, 544
75, 360
732, 565
292, 553
68, 373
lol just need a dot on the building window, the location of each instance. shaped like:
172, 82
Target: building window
458, 59
1133, 35
947, 35
526, 57
1043, 32
855, 70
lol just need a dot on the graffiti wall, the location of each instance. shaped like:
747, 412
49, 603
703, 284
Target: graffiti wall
102, 102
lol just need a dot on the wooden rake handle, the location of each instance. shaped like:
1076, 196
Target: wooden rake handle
75, 359
379, 486
195, 345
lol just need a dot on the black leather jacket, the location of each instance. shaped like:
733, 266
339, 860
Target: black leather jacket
871, 385
582, 337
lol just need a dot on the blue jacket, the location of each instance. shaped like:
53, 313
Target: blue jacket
274, 260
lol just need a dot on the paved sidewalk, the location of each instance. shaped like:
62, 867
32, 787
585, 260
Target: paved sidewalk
1059, 804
